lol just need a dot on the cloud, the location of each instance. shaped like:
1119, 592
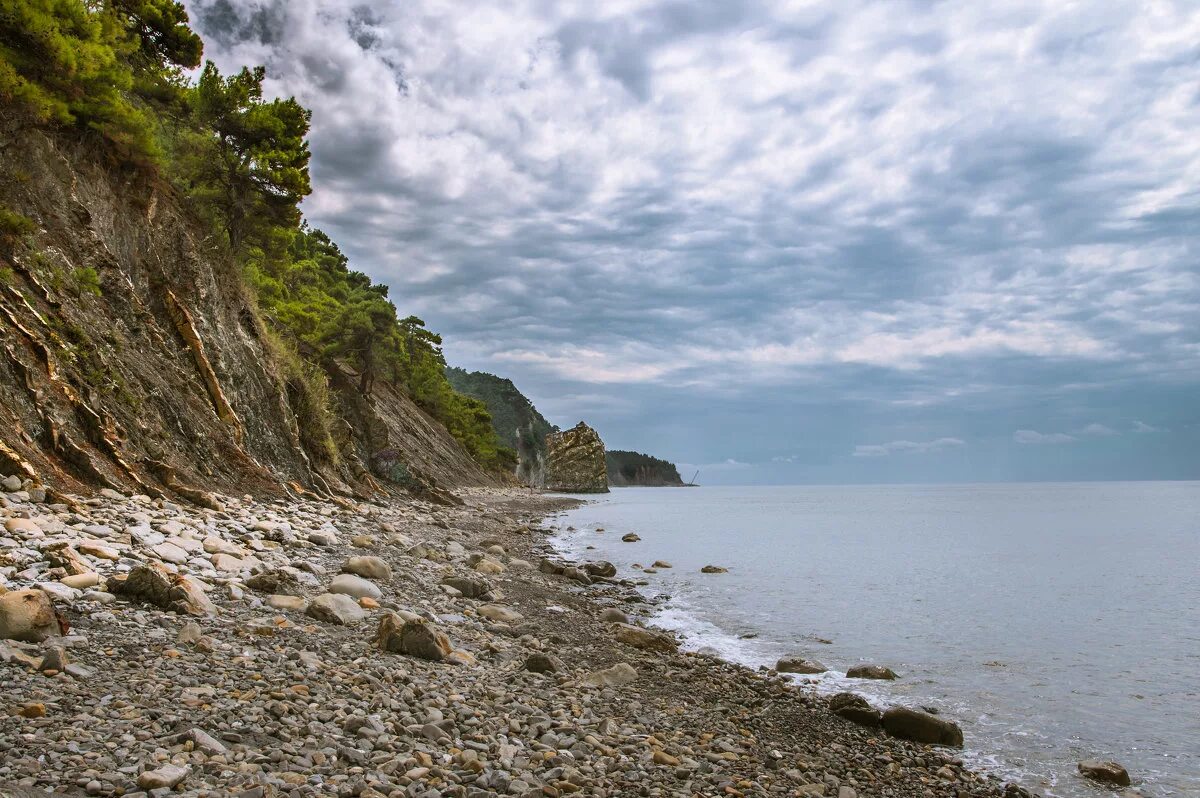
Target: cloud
1098, 431
914, 447
1028, 436
959, 214
1139, 426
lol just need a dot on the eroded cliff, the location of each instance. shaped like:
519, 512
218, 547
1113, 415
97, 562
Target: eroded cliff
131, 357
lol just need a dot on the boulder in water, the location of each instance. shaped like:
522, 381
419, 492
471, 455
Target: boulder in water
799, 665
871, 672
921, 727
1107, 772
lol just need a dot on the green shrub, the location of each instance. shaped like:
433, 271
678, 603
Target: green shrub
86, 281
14, 224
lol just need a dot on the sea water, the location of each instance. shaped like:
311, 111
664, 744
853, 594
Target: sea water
1054, 622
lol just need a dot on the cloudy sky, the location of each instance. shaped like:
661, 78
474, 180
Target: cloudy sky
779, 241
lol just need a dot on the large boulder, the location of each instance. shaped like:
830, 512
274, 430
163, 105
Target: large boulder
921, 727
600, 568
575, 461
415, 638
367, 567
336, 608
871, 672
356, 586
1107, 772
279, 583
620, 674
154, 584
646, 639
855, 709
799, 665
27, 615
540, 662
471, 587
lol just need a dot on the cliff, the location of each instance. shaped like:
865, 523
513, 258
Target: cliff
575, 461
627, 469
131, 358
517, 422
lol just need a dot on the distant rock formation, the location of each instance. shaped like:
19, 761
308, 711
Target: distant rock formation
634, 468
575, 461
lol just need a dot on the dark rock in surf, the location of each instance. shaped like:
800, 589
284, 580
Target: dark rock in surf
921, 727
855, 709
1107, 772
871, 672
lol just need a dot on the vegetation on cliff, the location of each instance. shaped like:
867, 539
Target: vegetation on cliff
516, 421
114, 71
634, 468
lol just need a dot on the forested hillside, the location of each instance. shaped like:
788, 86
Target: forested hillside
517, 422
634, 468
149, 210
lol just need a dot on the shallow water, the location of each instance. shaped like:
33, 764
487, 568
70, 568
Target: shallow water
1055, 622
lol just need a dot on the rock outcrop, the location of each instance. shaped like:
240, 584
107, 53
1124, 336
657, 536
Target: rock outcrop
575, 461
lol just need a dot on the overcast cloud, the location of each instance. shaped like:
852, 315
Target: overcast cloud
779, 240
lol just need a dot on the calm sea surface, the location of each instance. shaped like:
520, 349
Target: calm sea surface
1054, 622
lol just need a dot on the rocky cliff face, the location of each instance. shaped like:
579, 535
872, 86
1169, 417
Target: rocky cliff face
575, 461
131, 359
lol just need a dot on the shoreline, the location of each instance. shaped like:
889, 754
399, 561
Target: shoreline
269, 695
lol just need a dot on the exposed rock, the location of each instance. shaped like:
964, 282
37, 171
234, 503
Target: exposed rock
620, 674
871, 672
280, 601
576, 574
921, 727
368, 567
714, 569
337, 608
799, 665
27, 615
165, 777
55, 659
661, 564
601, 568
855, 708
275, 582
22, 526
575, 461
487, 565
416, 638
646, 639
614, 615
630, 537
1107, 772
154, 584
356, 586
495, 612
539, 662
81, 581
470, 587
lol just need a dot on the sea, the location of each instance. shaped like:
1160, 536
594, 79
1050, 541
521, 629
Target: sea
1053, 622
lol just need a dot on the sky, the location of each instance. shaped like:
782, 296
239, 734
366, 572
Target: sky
779, 241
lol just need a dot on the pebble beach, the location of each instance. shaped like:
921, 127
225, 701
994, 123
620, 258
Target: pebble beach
302, 648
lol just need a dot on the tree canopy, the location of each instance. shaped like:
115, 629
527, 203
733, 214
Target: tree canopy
116, 69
